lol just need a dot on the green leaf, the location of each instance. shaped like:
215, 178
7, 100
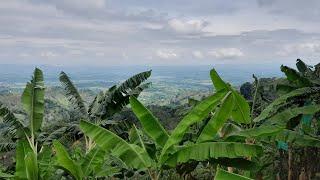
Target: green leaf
31, 166
241, 110
6, 176
131, 154
294, 77
23, 148
302, 67
115, 98
284, 102
218, 83
65, 162
150, 124
197, 114
73, 94
261, 131
279, 121
225, 175
33, 100
93, 160
283, 117
208, 150
297, 139
239, 163
45, 162
134, 81
135, 137
218, 119
15, 127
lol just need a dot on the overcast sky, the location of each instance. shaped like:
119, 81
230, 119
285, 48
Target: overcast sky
153, 32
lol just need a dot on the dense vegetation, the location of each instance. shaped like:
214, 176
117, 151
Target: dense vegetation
269, 129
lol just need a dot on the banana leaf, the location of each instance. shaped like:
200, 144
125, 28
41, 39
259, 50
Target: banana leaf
65, 162
218, 83
284, 101
133, 155
209, 150
150, 124
197, 114
33, 100
31, 166
225, 175
93, 161
241, 110
23, 148
218, 119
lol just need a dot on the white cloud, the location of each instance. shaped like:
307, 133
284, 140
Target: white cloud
166, 54
300, 48
226, 53
197, 54
100, 54
75, 52
48, 54
125, 55
187, 26
78, 5
24, 55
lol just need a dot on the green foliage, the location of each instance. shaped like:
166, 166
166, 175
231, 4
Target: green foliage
241, 109
33, 101
115, 98
217, 131
13, 125
197, 114
218, 119
208, 150
64, 161
225, 175
149, 123
222, 104
287, 100
133, 155
23, 148
73, 94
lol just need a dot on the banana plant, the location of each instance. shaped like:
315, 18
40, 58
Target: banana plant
225, 104
32, 160
298, 106
290, 121
105, 104
206, 147
91, 165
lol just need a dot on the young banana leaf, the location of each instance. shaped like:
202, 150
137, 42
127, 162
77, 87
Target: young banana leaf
149, 122
33, 100
220, 116
133, 155
241, 109
197, 114
65, 162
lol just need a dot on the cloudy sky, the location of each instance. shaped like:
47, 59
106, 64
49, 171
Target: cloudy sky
166, 32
